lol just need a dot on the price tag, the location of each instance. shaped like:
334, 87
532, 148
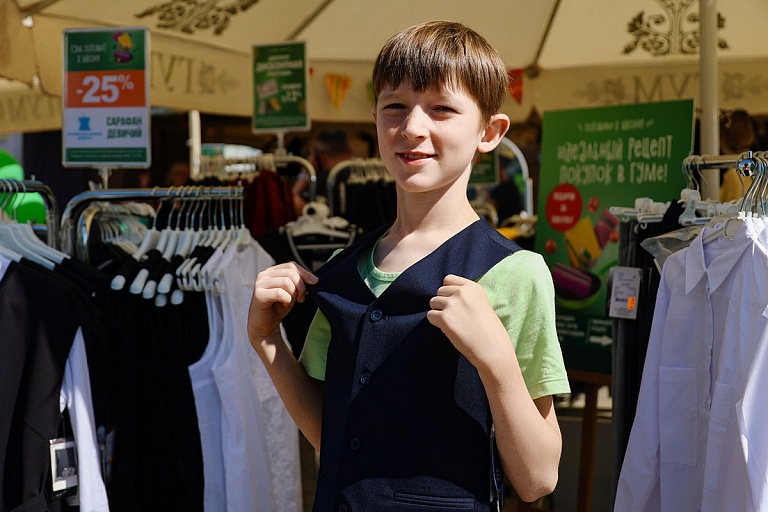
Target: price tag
63, 464
624, 292
106, 119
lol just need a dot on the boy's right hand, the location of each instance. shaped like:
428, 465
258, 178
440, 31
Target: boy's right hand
274, 294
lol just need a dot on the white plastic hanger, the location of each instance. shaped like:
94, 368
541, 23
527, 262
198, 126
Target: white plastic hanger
27, 233
13, 238
150, 240
137, 286
315, 220
752, 202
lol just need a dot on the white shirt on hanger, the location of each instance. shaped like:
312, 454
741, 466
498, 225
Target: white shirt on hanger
248, 467
680, 436
76, 397
4, 262
736, 475
279, 430
208, 404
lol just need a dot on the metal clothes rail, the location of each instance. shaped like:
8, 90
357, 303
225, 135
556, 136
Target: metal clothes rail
51, 206
74, 232
745, 161
353, 163
214, 165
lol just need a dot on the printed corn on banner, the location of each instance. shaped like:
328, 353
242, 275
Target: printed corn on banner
106, 109
592, 159
280, 83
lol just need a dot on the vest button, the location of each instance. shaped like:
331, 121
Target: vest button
365, 378
376, 315
342, 508
354, 443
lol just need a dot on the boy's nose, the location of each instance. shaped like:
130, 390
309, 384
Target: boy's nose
414, 124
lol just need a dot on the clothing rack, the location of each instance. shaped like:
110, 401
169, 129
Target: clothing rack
51, 206
646, 210
723, 161
745, 162
215, 165
356, 163
74, 231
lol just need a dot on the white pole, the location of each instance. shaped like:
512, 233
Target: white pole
194, 143
710, 131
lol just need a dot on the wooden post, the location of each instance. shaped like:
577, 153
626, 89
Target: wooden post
594, 381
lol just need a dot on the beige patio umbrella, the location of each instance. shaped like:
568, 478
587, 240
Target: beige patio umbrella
574, 52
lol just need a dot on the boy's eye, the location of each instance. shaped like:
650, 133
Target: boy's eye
444, 108
394, 106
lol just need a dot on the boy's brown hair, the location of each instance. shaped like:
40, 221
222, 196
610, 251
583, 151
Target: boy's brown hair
443, 53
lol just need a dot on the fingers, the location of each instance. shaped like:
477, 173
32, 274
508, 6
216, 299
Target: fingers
283, 284
454, 280
438, 302
451, 285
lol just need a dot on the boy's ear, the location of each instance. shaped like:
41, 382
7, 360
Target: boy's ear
493, 133
373, 111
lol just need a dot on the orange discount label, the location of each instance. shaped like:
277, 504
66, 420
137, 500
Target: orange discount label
105, 89
631, 303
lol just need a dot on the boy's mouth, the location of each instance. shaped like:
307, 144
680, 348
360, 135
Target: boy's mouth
415, 156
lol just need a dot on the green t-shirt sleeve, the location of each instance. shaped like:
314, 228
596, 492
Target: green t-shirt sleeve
522, 294
315, 352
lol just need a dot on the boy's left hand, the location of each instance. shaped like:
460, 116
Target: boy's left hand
462, 311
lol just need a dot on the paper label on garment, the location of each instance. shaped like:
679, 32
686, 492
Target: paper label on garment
624, 292
63, 464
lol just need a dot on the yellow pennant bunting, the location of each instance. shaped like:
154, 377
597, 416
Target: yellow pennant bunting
337, 86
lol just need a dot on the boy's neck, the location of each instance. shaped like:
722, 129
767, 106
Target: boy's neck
416, 233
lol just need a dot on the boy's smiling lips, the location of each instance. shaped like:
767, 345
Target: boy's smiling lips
411, 156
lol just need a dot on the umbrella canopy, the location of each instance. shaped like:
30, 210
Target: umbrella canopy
570, 53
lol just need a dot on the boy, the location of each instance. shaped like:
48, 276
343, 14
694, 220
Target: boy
417, 318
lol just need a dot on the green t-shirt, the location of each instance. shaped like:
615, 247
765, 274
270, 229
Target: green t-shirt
520, 290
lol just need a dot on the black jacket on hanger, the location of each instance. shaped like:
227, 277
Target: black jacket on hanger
40, 315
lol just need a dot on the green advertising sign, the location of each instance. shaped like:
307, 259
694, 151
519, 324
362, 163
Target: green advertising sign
106, 110
280, 86
592, 159
486, 169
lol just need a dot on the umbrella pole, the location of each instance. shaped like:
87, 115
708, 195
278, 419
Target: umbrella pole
194, 143
709, 134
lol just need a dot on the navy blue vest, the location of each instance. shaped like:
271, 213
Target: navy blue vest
406, 422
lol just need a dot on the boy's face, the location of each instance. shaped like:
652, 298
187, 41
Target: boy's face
428, 139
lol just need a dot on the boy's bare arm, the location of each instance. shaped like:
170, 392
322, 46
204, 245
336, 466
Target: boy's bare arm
527, 432
276, 290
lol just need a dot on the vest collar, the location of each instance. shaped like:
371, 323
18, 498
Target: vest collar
414, 287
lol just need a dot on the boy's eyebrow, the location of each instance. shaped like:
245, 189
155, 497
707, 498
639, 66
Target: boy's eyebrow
387, 96
439, 92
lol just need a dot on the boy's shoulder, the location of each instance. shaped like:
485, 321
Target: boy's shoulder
519, 267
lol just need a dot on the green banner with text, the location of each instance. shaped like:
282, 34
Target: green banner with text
592, 159
280, 80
